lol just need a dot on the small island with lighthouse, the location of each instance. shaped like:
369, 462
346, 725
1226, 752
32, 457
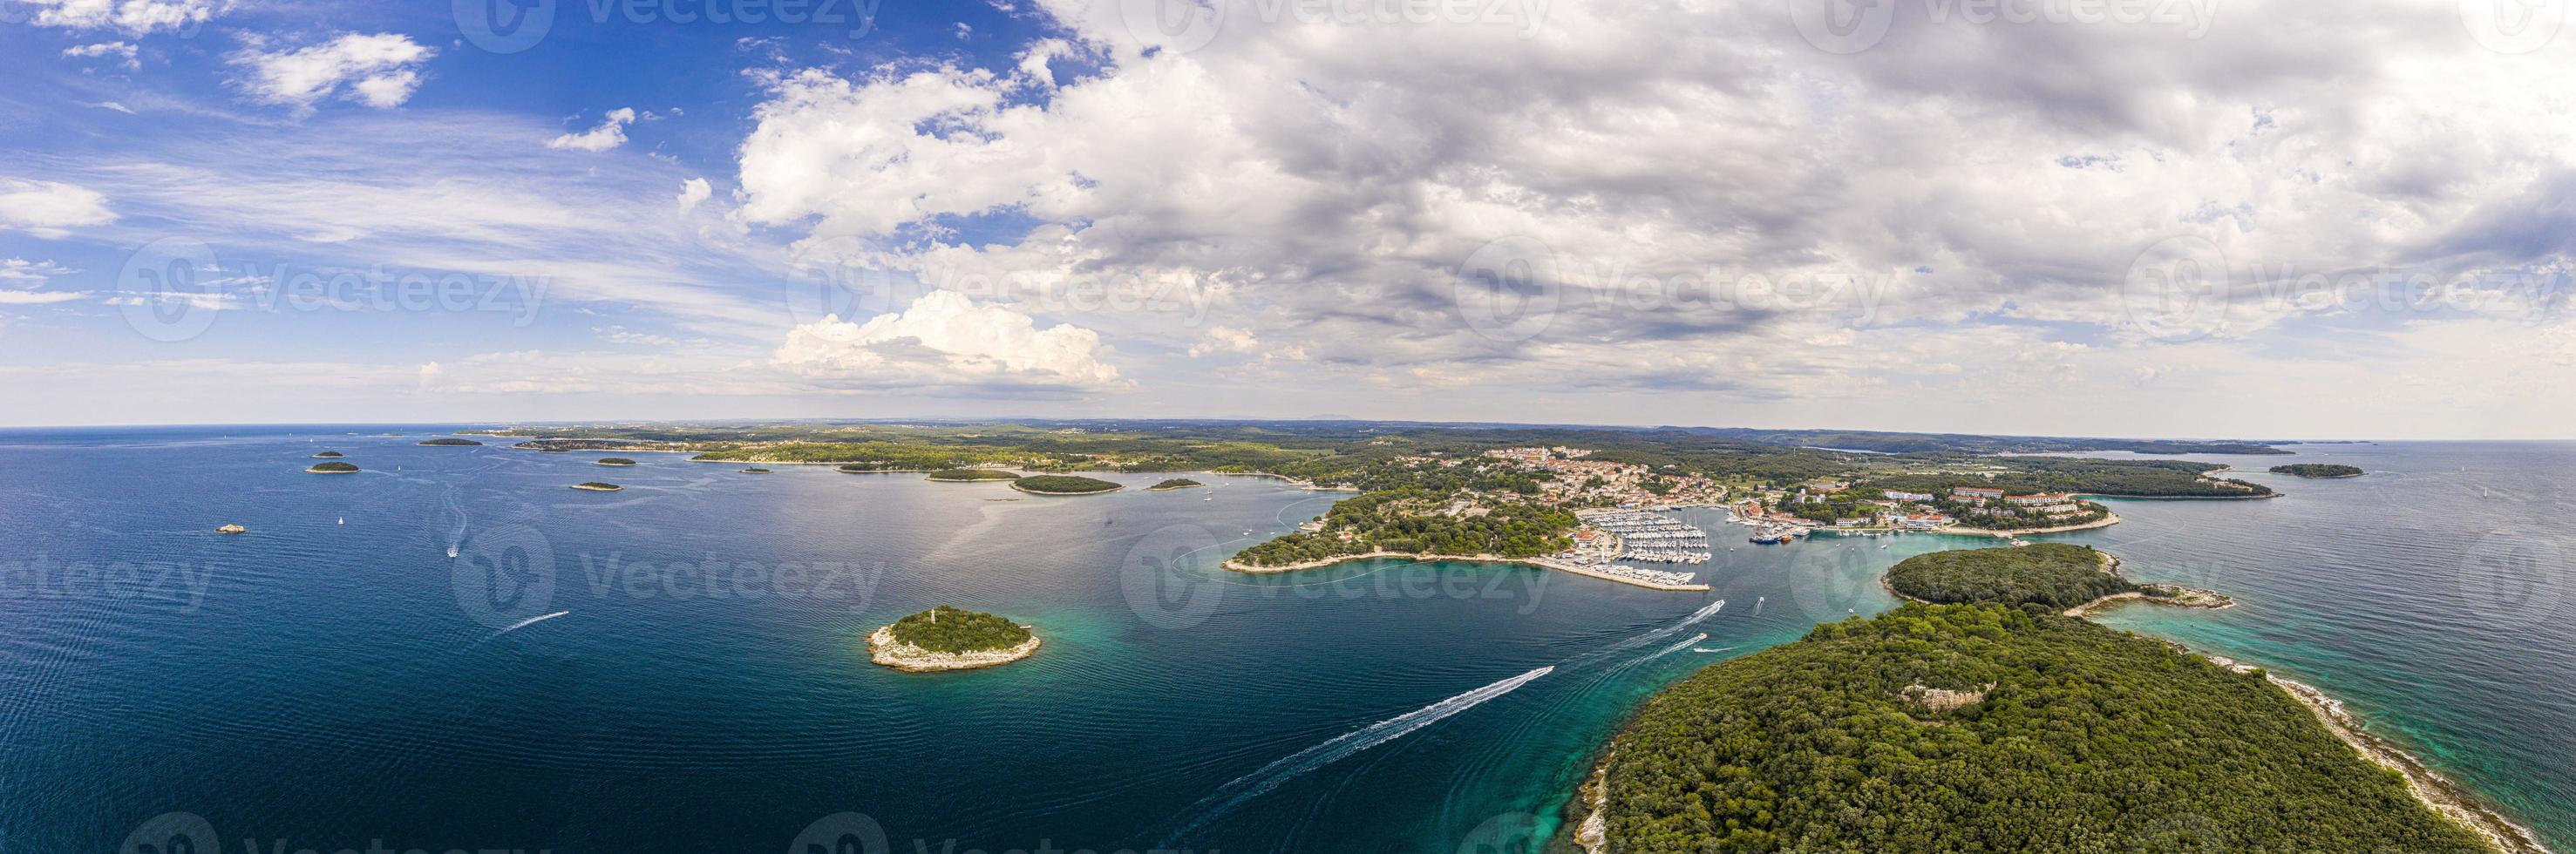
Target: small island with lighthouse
950, 638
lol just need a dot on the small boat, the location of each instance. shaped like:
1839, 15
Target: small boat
344, 520
451, 551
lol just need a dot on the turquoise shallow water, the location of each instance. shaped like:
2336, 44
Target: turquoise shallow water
694, 677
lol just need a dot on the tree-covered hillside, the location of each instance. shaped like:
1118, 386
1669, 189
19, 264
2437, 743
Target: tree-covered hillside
2057, 575
1985, 728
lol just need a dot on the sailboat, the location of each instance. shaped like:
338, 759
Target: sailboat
344, 520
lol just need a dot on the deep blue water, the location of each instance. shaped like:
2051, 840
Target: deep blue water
706, 687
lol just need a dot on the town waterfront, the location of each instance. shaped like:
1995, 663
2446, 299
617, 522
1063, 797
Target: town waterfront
682, 666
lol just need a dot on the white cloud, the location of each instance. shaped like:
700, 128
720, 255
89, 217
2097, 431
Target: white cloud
1322, 183
429, 375
50, 209
10, 297
610, 133
945, 342
379, 70
123, 52
692, 192
20, 272
1224, 339
137, 17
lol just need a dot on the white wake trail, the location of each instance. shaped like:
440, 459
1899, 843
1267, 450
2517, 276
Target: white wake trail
520, 625
1252, 785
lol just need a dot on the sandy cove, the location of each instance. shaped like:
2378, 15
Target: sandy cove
885, 650
1542, 563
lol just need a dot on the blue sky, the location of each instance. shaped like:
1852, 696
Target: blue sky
2250, 220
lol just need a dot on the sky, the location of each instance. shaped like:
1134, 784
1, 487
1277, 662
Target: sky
2193, 218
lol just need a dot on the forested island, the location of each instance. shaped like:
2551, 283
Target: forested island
614, 461
449, 443
596, 486
327, 455
755, 470
1058, 484
2054, 576
1985, 727
1174, 483
950, 638
2318, 470
332, 468
971, 475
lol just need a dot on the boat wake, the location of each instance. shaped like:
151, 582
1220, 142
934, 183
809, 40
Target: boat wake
1257, 783
1679, 646
521, 625
1686, 622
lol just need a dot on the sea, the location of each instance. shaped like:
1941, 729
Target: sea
453, 650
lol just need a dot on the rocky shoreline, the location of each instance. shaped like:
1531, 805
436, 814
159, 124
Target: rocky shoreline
885, 650
2437, 792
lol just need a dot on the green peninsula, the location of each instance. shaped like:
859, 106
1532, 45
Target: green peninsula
2056, 575
1987, 728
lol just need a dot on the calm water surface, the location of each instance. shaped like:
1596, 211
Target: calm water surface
681, 666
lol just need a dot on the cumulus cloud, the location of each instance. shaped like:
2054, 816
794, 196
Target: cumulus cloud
1697, 176
610, 133
1224, 339
123, 53
945, 343
137, 17
379, 70
50, 209
692, 192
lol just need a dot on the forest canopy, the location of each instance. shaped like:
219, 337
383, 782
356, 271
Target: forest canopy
1985, 728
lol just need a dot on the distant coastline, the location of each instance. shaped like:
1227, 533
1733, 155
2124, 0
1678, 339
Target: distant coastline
1541, 563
